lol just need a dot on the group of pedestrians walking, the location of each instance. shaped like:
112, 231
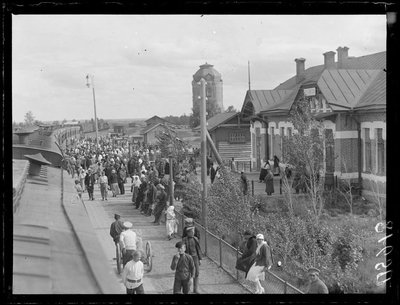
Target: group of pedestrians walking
111, 165
185, 263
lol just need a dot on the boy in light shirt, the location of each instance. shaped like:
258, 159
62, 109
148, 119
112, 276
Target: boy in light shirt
132, 275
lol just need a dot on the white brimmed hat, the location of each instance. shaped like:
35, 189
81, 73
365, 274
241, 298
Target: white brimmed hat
260, 236
128, 224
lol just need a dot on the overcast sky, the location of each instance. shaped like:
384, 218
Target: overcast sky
143, 65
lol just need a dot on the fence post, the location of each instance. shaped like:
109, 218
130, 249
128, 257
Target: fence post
220, 252
252, 187
237, 256
280, 186
335, 182
182, 224
205, 241
250, 165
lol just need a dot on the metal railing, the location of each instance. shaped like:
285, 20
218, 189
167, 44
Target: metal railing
225, 256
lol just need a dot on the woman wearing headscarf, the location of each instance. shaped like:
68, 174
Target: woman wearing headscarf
263, 262
171, 223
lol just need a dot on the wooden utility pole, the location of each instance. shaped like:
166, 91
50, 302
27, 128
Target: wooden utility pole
203, 154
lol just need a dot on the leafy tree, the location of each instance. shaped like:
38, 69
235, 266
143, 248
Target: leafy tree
29, 118
168, 136
195, 117
305, 151
230, 109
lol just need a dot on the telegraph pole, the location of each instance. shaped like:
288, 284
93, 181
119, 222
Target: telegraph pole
203, 136
94, 102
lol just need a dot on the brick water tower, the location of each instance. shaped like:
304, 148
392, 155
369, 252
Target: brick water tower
214, 87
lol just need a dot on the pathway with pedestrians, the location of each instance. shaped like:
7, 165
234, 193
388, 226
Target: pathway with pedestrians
160, 280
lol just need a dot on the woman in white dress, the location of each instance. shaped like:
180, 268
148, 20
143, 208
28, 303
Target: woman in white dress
262, 263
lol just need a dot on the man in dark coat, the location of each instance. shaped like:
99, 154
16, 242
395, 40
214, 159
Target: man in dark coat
141, 193
184, 268
249, 252
269, 183
193, 248
213, 173
190, 223
209, 165
90, 180
116, 228
316, 285
151, 199
161, 203
244, 183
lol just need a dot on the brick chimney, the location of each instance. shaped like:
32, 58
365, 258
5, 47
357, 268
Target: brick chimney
299, 69
329, 60
342, 56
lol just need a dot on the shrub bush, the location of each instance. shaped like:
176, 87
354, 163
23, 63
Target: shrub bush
299, 239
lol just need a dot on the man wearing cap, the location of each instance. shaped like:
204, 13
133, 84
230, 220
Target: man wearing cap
132, 275
89, 183
189, 223
193, 248
263, 262
184, 268
116, 228
316, 285
127, 239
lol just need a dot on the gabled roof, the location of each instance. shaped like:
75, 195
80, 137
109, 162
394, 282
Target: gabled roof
286, 104
344, 88
219, 119
257, 101
155, 117
311, 75
151, 127
359, 84
375, 96
376, 61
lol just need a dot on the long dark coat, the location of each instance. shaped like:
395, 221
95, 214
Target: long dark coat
269, 183
249, 255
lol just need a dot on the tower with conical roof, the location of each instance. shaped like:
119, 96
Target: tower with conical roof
213, 89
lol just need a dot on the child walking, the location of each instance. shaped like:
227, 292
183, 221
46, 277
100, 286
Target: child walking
171, 223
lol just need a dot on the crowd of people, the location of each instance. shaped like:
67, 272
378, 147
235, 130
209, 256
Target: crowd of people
110, 164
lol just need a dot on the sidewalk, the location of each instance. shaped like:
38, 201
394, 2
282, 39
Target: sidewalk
160, 280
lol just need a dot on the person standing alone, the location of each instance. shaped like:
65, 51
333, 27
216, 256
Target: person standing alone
184, 268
